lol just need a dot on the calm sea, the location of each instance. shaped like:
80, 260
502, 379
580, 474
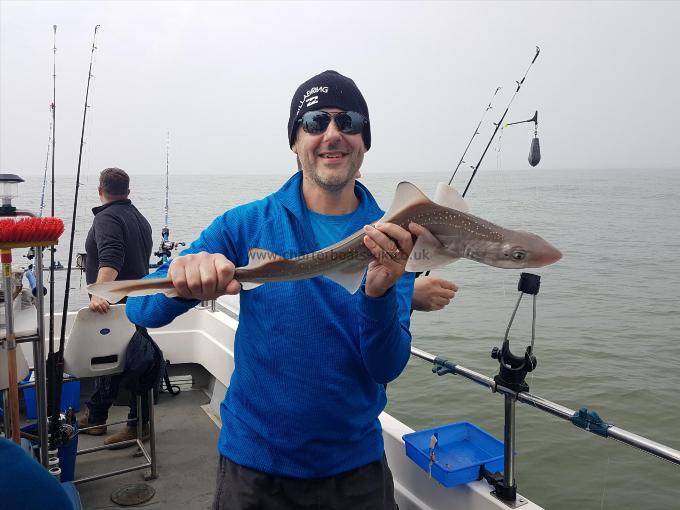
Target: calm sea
608, 316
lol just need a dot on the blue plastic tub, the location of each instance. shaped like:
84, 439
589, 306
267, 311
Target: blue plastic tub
67, 453
460, 451
70, 397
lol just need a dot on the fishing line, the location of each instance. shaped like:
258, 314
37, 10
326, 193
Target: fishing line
88, 130
47, 161
92, 195
476, 132
499, 148
500, 122
604, 483
503, 181
533, 336
30, 273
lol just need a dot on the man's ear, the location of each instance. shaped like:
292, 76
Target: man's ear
294, 148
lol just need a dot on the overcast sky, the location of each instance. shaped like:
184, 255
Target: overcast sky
219, 76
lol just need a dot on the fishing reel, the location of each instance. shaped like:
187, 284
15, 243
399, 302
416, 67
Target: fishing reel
514, 369
166, 246
65, 428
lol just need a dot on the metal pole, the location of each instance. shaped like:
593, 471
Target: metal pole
138, 424
509, 443
10, 345
457, 369
5, 414
39, 360
631, 439
152, 437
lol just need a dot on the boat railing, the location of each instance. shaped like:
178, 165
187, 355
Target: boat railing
584, 419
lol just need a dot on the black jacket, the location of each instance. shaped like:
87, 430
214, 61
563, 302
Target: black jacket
120, 238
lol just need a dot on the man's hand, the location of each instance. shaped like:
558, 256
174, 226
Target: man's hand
430, 293
203, 276
391, 246
99, 305
104, 274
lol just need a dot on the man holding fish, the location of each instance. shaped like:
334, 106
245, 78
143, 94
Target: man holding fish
300, 424
300, 418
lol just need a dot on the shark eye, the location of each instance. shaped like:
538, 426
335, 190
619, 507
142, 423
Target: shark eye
518, 255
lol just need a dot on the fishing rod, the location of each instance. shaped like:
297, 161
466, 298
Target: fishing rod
166, 247
493, 135
167, 176
58, 359
500, 122
51, 374
45, 371
488, 107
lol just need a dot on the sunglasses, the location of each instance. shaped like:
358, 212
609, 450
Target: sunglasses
316, 122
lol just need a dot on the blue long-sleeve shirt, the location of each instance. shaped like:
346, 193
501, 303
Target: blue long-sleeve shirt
311, 360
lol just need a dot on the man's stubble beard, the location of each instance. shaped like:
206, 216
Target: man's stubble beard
330, 187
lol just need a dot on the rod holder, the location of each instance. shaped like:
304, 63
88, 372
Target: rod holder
511, 375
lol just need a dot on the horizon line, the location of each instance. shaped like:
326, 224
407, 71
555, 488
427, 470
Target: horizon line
382, 172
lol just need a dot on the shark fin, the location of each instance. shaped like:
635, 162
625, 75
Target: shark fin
258, 257
406, 195
448, 196
349, 277
249, 285
428, 253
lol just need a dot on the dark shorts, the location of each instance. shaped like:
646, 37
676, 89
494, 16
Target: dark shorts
369, 487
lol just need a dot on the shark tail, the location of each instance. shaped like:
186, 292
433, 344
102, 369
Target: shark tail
114, 292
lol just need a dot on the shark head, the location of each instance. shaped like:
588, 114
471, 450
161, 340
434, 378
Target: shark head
519, 250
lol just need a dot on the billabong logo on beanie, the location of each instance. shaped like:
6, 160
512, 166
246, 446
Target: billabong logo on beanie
329, 89
310, 100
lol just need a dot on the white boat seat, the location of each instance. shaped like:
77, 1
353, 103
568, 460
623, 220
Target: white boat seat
97, 343
22, 367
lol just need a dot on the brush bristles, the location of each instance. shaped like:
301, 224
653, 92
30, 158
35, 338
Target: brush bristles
26, 230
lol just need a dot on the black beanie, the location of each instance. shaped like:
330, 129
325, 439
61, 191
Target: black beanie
329, 89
